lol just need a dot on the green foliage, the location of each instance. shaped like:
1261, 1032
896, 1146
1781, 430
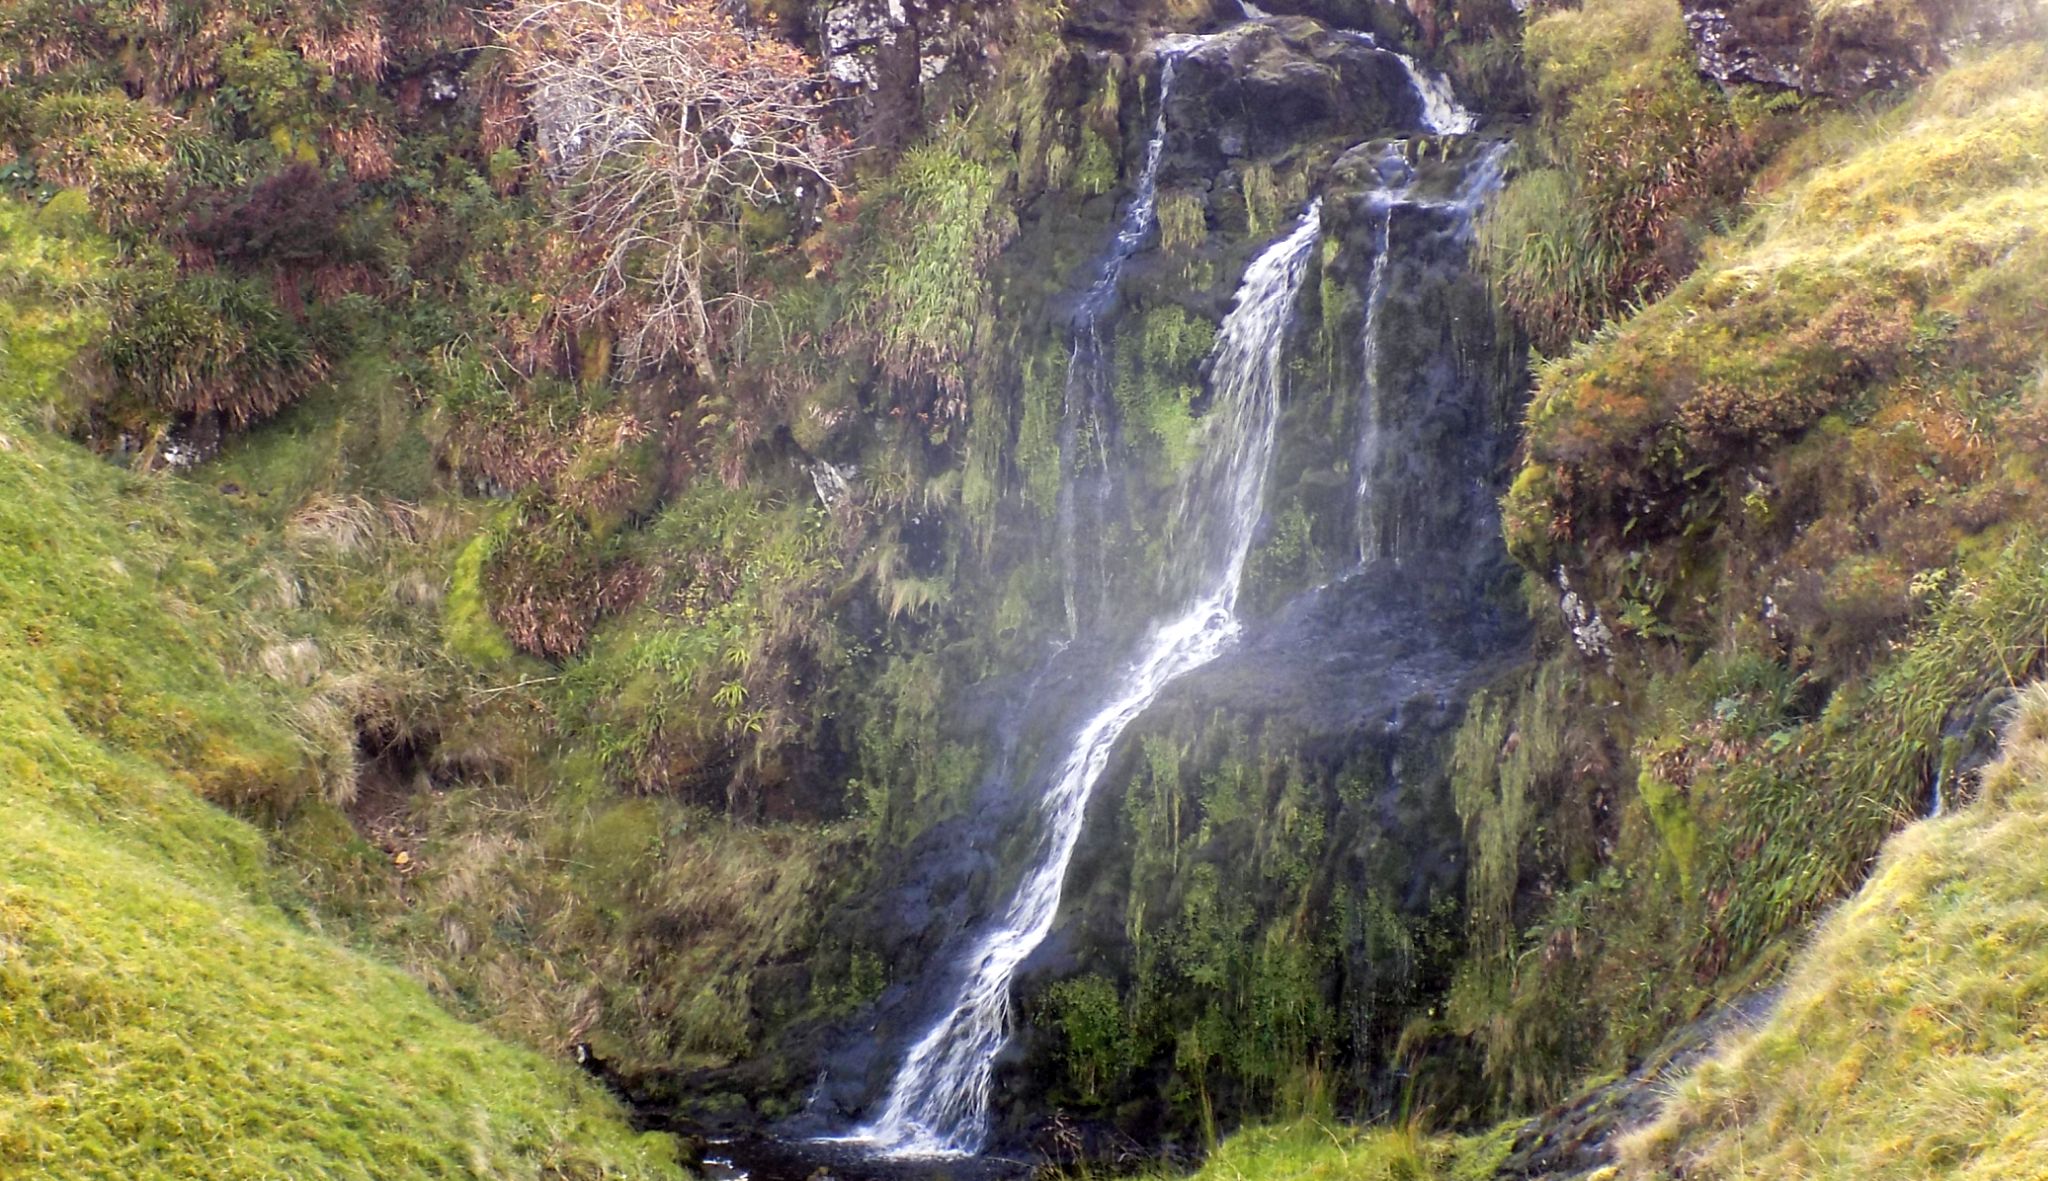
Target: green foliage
1157, 379
1643, 156
709, 660
1269, 937
917, 771
206, 344
1800, 489
53, 305
269, 85
922, 292
1632, 440
466, 616
1907, 1042
153, 1018
1098, 1043
159, 1014
113, 147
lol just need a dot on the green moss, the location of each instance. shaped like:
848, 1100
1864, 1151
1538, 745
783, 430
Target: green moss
1676, 825
1095, 1031
1095, 172
1038, 448
466, 615
53, 304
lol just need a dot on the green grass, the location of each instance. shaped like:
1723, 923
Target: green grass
161, 1014
1912, 1040
157, 1026
1310, 1149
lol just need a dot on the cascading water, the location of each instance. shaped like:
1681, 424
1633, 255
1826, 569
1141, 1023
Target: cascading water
1084, 364
1441, 112
1395, 179
938, 1104
1378, 520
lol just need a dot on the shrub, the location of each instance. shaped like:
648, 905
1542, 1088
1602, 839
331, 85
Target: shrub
293, 216
206, 344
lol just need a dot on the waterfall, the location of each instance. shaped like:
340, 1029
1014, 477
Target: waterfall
1383, 201
938, 1103
1442, 114
1084, 363
1377, 528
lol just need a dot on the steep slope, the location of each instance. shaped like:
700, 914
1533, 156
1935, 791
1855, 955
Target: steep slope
1787, 516
162, 1012
1912, 1039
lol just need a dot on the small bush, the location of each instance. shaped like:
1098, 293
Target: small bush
207, 344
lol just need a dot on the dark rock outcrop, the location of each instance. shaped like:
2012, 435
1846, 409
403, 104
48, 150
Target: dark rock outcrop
1845, 51
1268, 86
891, 60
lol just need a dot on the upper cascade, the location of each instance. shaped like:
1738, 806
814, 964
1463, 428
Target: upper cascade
1256, 88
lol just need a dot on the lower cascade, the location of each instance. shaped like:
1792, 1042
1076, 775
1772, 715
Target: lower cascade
938, 1104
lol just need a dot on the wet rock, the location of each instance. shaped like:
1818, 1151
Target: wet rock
1577, 1139
1382, 18
1264, 87
1845, 54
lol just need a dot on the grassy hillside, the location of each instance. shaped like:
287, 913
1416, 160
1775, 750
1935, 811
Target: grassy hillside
1794, 504
161, 1014
1912, 1041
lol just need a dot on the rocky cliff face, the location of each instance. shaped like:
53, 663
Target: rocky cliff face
1843, 50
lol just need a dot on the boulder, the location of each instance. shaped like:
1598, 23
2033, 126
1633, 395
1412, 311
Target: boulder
1260, 89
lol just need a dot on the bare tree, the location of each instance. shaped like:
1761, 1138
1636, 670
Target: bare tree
659, 121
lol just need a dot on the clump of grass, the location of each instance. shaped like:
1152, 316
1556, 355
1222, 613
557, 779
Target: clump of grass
1313, 1149
1909, 1041
1641, 157
923, 295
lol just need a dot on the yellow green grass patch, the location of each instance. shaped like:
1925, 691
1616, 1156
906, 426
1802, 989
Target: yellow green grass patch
1912, 1041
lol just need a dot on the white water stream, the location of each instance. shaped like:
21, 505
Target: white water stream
938, 1104
1084, 363
1378, 536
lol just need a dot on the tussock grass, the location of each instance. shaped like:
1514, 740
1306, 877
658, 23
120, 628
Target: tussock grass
1912, 1041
